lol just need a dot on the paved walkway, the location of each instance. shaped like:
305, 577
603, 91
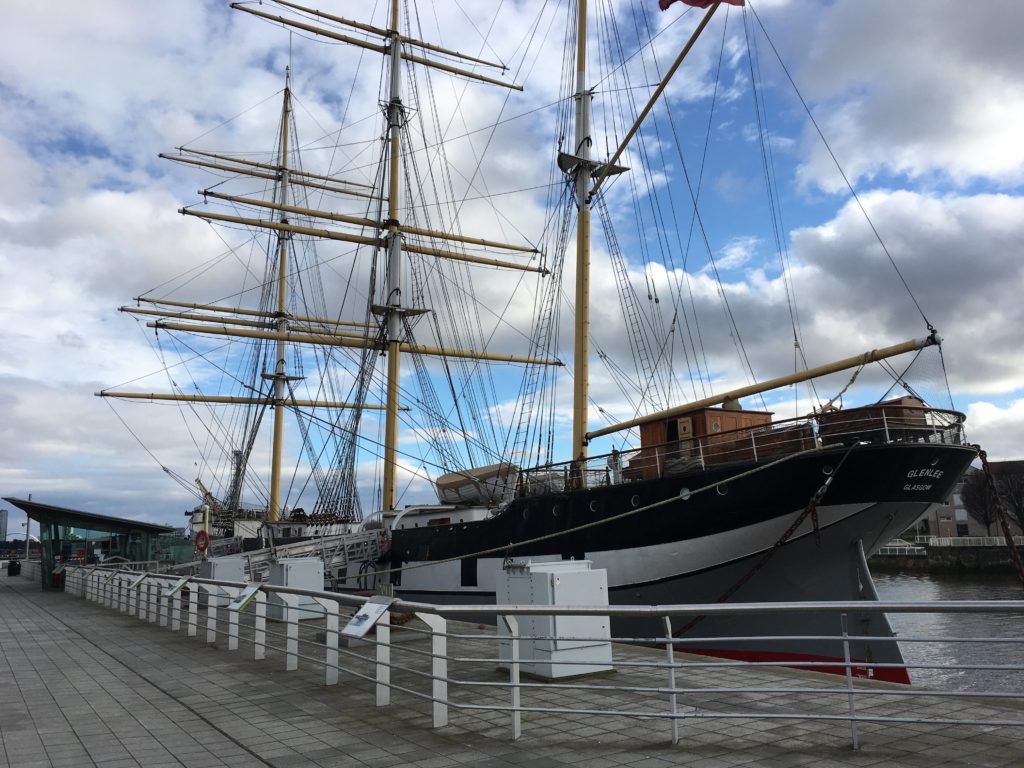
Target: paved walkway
81, 685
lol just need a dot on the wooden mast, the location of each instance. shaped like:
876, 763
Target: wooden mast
583, 170
280, 375
581, 151
393, 301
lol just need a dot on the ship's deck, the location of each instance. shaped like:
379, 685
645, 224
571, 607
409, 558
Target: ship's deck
83, 685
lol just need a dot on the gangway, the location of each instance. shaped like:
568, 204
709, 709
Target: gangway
339, 551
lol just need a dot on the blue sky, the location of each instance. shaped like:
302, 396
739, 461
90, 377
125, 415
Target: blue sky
922, 102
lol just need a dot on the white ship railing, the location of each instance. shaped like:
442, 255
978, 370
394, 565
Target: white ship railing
968, 541
879, 424
450, 665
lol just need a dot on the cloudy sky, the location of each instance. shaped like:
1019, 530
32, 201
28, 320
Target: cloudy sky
921, 102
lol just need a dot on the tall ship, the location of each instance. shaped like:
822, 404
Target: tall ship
425, 306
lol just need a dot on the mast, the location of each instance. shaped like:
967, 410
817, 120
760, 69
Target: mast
273, 323
581, 368
393, 302
280, 375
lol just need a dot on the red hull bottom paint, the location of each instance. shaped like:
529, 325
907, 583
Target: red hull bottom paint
861, 667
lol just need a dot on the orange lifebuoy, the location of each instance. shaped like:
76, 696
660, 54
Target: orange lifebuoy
202, 541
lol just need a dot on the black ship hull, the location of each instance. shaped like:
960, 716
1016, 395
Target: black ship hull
718, 544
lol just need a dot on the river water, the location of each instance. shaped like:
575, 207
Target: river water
914, 587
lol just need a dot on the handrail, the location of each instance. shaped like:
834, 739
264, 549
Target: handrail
874, 423
694, 609
216, 606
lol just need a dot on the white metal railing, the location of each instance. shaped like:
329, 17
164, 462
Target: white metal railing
968, 541
450, 665
905, 550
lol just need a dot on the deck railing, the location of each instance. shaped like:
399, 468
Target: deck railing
877, 424
463, 670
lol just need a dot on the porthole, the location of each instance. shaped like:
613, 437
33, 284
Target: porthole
635, 501
685, 494
935, 461
595, 505
827, 470
555, 511
722, 489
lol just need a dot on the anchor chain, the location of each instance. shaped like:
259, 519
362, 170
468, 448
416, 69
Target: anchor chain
811, 510
1004, 522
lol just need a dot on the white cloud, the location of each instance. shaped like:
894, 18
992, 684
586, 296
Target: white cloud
960, 256
738, 252
916, 89
997, 429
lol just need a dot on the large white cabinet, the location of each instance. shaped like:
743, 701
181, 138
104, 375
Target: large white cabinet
556, 646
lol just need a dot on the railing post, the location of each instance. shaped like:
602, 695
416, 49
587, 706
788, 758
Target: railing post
233, 612
849, 684
124, 595
154, 599
513, 674
439, 666
175, 609
259, 628
133, 598
753, 445
143, 590
383, 628
165, 614
672, 697
211, 611
114, 585
330, 639
291, 621
885, 425
194, 590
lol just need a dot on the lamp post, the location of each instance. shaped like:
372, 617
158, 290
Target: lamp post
28, 531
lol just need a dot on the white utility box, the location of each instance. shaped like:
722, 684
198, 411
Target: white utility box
221, 569
298, 573
556, 646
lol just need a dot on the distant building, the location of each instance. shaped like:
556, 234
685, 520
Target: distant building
951, 519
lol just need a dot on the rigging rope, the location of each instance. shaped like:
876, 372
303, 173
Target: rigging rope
842, 173
811, 510
1004, 522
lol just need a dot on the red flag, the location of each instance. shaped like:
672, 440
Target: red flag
663, 4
